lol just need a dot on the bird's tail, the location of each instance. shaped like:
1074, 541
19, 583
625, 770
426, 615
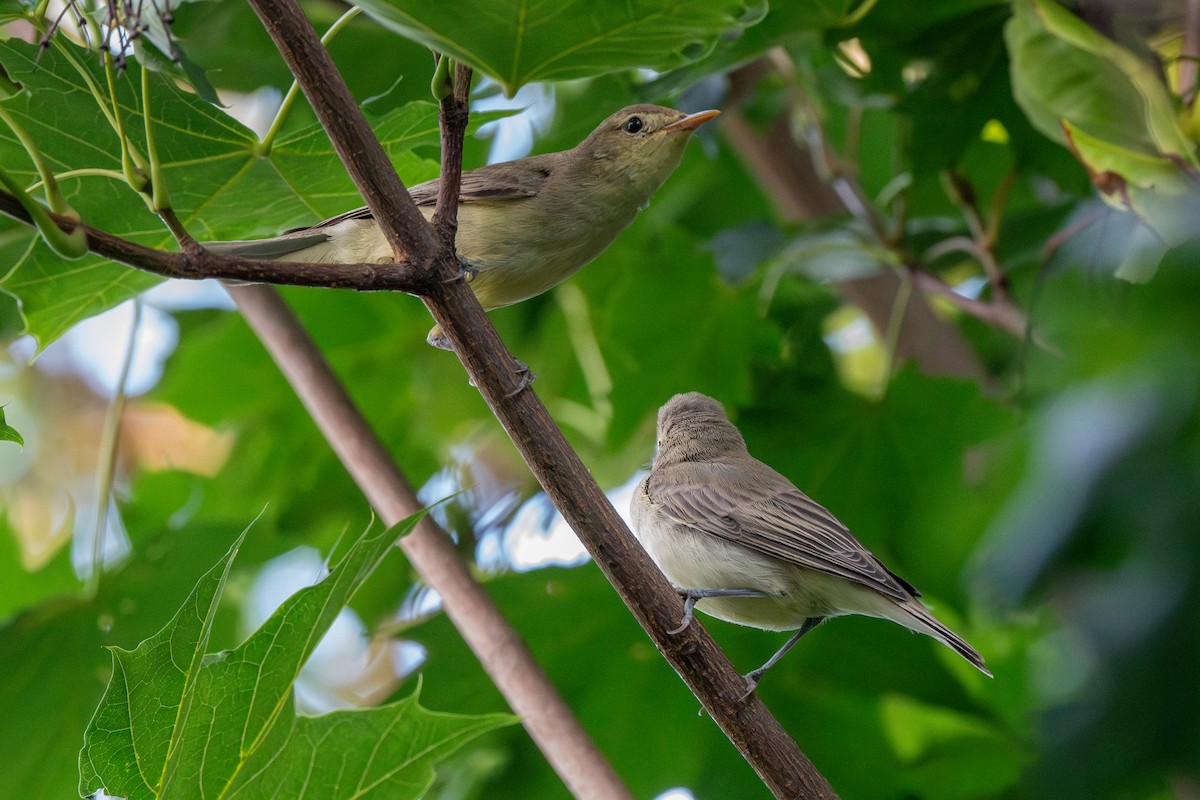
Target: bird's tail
915, 616
276, 248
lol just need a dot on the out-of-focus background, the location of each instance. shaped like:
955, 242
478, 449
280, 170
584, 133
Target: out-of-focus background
940, 263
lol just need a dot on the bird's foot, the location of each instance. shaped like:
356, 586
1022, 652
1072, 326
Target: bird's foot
693, 596
752, 679
465, 272
525, 377
689, 610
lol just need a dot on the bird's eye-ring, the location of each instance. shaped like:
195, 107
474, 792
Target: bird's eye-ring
632, 125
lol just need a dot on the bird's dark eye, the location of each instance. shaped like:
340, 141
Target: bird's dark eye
632, 125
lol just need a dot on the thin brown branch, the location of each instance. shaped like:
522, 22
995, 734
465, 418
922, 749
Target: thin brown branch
877, 297
1064, 235
199, 263
1005, 316
452, 120
760, 738
983, 232
349, 132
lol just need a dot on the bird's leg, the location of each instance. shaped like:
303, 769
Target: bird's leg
693, 596
437, 338
752, 678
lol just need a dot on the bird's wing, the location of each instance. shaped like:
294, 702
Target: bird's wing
493, 182
766, 513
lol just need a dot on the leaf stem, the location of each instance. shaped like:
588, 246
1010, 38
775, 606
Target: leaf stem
856, 16
68, 243
135, 174
160, 198
58, 203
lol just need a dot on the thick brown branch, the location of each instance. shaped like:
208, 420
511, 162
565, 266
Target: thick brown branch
348, 130
564, 477
199, 264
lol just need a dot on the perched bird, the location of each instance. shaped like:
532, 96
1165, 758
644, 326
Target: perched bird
743, 544
524, 226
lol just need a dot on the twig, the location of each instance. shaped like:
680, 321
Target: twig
1001, 312
557, 467
200, 264
801, 193
452, 120
983, 232
1005, 316
1064, 235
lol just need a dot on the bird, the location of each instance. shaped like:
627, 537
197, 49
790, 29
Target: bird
524, 226
741, 543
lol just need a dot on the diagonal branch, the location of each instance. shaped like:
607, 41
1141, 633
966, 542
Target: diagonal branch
557, 467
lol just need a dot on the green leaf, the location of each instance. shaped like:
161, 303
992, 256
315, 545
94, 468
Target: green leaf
515, 41
1063, 70
52, 655
785, 24
175, 722
1161, 195
1113, 111
8, 433
221, 185
129, 734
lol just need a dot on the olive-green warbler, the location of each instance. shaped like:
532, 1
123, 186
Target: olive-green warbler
524, 226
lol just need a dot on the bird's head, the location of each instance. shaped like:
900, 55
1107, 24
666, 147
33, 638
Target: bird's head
693, 427
642, 144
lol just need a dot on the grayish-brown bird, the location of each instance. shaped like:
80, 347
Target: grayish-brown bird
741, 543
524, 226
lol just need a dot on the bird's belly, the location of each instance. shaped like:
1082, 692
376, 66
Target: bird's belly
695, 560
514, 263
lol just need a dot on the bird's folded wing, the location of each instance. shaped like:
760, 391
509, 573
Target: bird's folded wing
774, 518
495, 182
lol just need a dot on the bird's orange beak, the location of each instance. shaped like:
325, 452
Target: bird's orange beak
691, 121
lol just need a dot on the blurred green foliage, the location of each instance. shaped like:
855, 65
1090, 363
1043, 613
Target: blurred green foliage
1043, 497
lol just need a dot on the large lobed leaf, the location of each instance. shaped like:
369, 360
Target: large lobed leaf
177, 723
518, 41
221, 185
